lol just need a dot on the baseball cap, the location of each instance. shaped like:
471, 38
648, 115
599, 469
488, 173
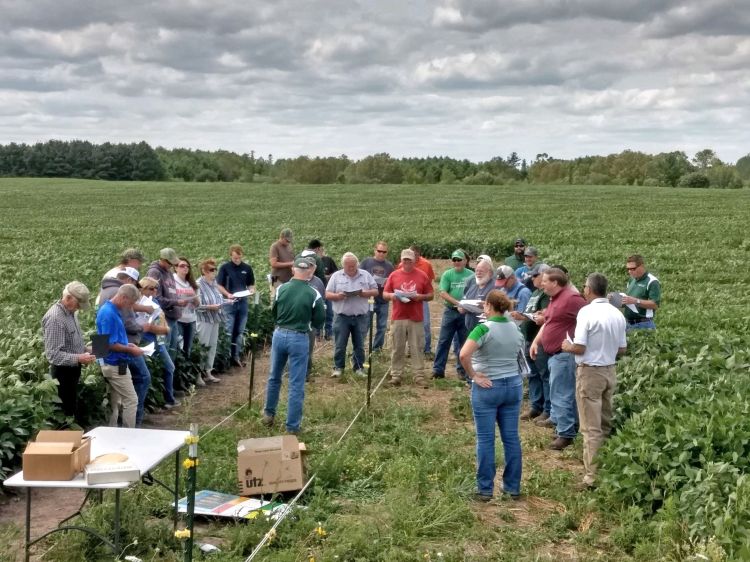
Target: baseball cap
302, 262
538, 269
530, 251
407, 254
460, 254
132, 273
133, 254
504, 272
520, 241
287, 234
170, 255
79, 292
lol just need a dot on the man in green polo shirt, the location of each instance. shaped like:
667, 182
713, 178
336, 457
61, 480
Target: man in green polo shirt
452, 285
642, 297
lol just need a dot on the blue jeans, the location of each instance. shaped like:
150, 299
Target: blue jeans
173, 338
187, 331
294, 347
453, 324
235, 318
328, 329
562, 387
343, 326
539, 399
168, 364
141, 383
380, 311
645, 325
499, 405
426, 323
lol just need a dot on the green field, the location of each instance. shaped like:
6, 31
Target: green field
671, 479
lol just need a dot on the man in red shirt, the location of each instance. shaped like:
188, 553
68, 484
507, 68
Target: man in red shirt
425, 266
559, 324
407, 287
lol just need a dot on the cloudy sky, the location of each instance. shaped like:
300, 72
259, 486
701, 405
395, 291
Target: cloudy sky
464, 78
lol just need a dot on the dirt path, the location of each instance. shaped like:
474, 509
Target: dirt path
210, 404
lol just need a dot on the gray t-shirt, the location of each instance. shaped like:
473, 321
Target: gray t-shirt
380, 270
499, 342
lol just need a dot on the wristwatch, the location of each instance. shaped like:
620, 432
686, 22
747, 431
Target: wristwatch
638, 302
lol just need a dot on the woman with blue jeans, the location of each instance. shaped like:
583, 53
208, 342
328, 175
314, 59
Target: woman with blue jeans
490, 357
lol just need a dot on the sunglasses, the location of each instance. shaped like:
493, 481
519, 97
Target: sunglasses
382, 251
632, 268
456, 260
211, 269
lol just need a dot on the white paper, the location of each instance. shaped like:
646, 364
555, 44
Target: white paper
408, 294
240, 294
472, 305
149, 349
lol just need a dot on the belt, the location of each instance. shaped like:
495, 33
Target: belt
290, 330
352, 315
556, 353
594, 366
638, 320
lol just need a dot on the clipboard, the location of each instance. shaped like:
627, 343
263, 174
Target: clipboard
100, 345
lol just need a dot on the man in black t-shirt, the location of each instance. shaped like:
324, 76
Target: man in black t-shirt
236, 276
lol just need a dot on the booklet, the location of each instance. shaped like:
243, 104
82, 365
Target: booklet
353, 293
241, 294
218, 504
149, 349
100, 345
471, 305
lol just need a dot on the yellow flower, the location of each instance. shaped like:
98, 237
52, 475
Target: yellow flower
191, 439
190, 463
253, 335
320, 530
182, 534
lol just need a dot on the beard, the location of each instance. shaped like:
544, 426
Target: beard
481, 279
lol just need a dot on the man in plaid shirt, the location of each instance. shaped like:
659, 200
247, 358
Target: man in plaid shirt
63, 344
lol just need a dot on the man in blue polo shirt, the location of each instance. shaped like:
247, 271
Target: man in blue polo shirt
235, 276
115, 364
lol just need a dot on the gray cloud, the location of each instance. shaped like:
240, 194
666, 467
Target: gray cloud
467, 78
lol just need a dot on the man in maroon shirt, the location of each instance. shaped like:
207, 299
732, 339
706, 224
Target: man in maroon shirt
559, 324
407, 288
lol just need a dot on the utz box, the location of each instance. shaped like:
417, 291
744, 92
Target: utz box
56, 455
270, 464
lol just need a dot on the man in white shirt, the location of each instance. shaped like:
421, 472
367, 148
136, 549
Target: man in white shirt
599, 339
349, 289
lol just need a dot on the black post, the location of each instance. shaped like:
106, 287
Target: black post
253, 337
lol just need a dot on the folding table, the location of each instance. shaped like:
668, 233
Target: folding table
145, 448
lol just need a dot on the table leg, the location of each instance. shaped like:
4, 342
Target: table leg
117, 522
176, 487
28, 525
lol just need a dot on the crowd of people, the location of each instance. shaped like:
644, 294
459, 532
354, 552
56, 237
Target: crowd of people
521, 319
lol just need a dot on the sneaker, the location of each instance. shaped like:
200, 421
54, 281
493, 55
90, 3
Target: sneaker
267, 420
199, 381
395, 381
171, 405
544, 423
336, 373
484, 498
560, 443
509, 496
361, 373
438, 375
210, 378
421, 381
292, 431
530, 415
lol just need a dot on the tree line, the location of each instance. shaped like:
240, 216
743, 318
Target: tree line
141, 162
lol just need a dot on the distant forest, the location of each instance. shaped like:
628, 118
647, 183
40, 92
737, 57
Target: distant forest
141, 162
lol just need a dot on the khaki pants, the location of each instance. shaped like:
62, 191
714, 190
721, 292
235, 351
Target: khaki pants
401, 332
594, 389
121, 392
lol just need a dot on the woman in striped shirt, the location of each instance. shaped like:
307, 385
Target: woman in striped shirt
209, 314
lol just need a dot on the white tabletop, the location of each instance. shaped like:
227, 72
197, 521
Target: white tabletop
145, 448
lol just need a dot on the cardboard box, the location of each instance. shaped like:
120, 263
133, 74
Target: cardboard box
110, 473
270, 464
56, 455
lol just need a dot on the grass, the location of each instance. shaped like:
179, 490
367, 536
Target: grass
399, 486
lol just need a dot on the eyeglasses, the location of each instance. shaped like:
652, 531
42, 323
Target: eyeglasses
211, 269
632, 268
183, 265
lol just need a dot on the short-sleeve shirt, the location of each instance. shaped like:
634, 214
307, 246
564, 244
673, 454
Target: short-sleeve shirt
499, 342
646, 288
235, 278
340, 282
601, 328
453, 282
414, 281
109, 322
560, 319
514, 262
380, 270
283, 254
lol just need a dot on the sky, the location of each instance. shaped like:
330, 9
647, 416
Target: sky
469, 79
